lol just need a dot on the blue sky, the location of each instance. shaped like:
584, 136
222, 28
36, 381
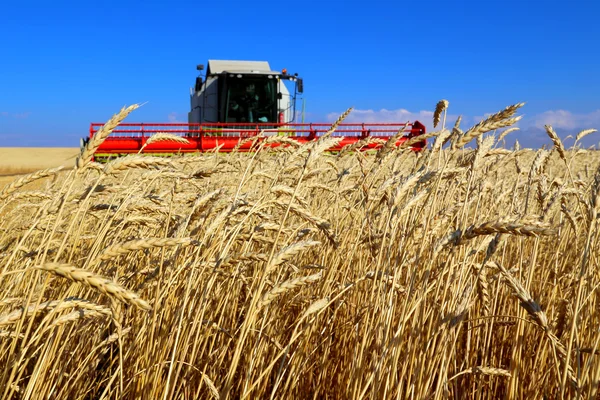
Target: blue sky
66, 64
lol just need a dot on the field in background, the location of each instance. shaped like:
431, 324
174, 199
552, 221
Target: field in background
23, 160
19, 160
296, 274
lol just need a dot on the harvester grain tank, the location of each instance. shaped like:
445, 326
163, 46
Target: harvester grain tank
235, 100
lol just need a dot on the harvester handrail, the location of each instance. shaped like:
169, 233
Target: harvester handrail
354, 129
131, 137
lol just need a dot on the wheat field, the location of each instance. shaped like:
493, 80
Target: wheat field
465, 271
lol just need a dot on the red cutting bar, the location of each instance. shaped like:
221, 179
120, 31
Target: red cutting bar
130, 137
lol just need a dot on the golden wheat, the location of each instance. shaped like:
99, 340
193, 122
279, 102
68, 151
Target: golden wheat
440, 107
97, 282
100, 136
298, 274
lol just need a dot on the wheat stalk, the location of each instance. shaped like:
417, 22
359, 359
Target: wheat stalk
282, 140
31, 195
540, 318
314, 308
252, 140
282, 189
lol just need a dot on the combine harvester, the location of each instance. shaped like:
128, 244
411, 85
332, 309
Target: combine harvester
237, 100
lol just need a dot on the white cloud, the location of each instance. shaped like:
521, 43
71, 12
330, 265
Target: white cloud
561, 119
22, 115
383, 115
173, 117
399, 116
532, 132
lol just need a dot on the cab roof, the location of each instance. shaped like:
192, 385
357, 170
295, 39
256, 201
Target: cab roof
235, 66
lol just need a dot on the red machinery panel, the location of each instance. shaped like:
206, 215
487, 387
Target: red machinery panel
131, 137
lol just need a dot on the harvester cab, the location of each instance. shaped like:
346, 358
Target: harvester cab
244, 92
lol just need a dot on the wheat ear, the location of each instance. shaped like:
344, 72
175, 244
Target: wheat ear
510, 228
506, 132
337, 123
558, 145
440, 107
499, 120
290, 251
480, 370
24, 180
281, 140
418, 139
287, 286
135, 161
74, 316
100, 136
164, 137
56, 305
97, 282
120, 249
584, 133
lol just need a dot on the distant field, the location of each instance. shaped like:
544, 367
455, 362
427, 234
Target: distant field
19, 160
22, 160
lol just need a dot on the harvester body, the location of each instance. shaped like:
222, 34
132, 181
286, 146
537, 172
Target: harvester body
237, 100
